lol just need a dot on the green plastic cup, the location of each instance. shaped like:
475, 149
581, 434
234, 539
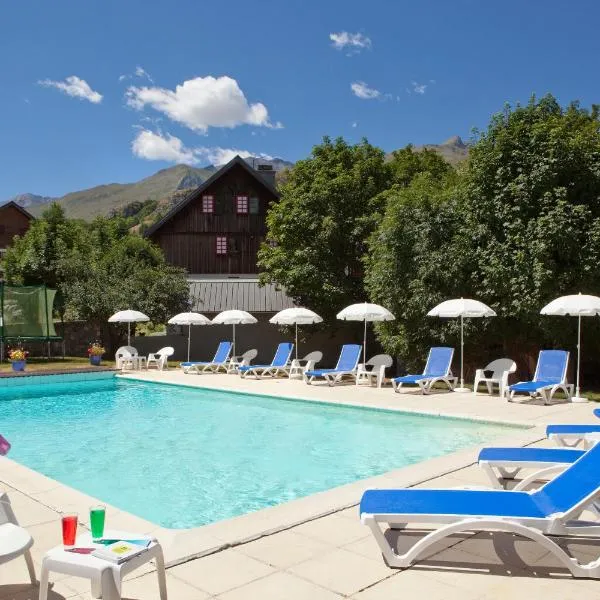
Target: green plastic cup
97, 518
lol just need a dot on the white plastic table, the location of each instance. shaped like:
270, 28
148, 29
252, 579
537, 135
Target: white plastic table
106, 577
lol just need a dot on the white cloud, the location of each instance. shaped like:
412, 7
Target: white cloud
354, 124
158, 146
220, 156
363, 91
75, 87
418, 88
355, 42
201, 103
154, 146
123, 77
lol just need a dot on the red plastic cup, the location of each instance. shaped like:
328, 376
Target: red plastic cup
69, 529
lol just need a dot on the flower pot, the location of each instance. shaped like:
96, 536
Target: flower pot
95, 359
18, 365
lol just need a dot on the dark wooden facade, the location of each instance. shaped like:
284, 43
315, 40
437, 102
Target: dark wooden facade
14, 220
188, 235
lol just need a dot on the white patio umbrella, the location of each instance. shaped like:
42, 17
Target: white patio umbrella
463, 308
295, 316
576, 305
189, 319
129, 317
365, 312
234, 317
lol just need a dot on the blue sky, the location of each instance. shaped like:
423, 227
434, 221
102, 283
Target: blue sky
112, 90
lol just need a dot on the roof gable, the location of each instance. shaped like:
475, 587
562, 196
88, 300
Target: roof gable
235, 161
13, 204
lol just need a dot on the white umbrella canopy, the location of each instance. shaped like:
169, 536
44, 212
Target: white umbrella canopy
295, 316
574, 305
234, 317
364, 311
189, 319
461, 307
128, 316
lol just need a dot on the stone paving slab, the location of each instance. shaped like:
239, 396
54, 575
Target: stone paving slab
315, 547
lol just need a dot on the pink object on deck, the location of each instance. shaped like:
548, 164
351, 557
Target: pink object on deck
4, 446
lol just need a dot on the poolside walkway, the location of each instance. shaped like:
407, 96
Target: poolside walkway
270, 555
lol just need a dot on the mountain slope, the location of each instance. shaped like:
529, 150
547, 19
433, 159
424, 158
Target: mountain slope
453, 150
104, 199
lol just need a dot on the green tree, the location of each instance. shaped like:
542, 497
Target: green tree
317, 231
413, 263
407, 163
98, 269
518, 226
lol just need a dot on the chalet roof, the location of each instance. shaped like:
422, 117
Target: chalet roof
19, 208
236, 160
212, 295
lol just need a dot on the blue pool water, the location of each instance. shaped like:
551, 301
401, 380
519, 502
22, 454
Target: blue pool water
183, 457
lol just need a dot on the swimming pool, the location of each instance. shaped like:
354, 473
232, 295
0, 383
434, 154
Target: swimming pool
184, 457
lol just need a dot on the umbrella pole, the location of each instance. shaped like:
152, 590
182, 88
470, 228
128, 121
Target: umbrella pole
189, 338
365, 344
462, 353
234, 354
578, 354
462, 387
128, 333
296, 340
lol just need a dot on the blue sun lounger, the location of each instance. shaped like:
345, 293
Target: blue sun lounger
552, 510
550, 377
218, 362
347, 365
279, 364
437, 368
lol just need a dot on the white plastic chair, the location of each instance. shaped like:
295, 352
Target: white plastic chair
243, 360
14, 540
160, 359
122, 356
378, 364
299, 365
501, 368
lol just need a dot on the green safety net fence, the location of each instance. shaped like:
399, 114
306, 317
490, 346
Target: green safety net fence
26, 312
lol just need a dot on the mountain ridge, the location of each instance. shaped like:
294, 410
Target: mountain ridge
168, 186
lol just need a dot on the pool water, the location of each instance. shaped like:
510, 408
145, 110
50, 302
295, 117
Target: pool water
183, 457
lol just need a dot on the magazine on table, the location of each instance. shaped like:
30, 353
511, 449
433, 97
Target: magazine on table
120, 551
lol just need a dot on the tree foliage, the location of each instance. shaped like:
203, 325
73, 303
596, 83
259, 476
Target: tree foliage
317, 231
98, 268
517, 227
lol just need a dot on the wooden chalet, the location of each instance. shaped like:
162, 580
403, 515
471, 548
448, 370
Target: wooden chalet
218, 228
14, 220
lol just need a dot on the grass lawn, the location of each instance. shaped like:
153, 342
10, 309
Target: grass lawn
55, 364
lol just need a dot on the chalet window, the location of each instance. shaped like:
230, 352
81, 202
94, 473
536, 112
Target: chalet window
221, 245
208, 204
254, 206
241, 203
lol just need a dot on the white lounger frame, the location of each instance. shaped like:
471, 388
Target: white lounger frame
334, 377
428, 382
537, 530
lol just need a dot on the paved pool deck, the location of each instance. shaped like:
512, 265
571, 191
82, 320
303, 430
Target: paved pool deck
315, 547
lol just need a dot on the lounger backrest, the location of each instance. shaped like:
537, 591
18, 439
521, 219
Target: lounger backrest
222, 353
439, 361
282, 356
349, 357
573, 486
552, 366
